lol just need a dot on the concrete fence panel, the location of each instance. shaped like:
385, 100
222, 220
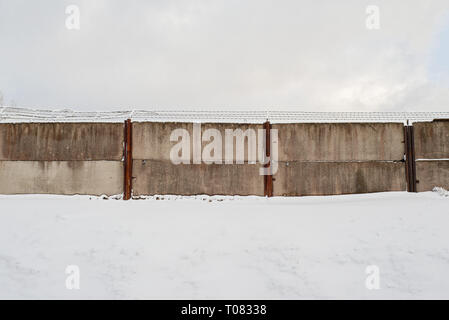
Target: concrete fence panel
432, 140
430, 174
151, 140
432, 154
339, 158
155, 173
162, 177
61, 141
61, 158
340, 141
61, 177
333, 178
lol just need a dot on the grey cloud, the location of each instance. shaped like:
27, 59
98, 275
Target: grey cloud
302, 55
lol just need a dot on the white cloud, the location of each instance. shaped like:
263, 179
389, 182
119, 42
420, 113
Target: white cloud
157, 54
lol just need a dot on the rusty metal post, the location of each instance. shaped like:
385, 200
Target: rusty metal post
412, 158
407, 156
410, 161
128, 164
268, 179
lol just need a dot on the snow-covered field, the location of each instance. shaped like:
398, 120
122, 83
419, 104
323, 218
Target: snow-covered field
230, 248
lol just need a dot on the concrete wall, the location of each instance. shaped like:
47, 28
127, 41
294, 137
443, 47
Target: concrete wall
151, 140
61, 158
430, 174
331, 178
432, 140
339, 158
61, 141
432, 143
154, 172
162, 177
314, 159
61, 177
340, 141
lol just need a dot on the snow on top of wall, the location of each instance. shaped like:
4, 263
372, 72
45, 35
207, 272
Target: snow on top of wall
17, 115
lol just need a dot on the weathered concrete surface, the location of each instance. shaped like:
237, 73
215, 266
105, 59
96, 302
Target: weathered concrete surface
332, 178
340, 141
155, 174
162, 177
61, 177
61, 141
430, 174
431, 140
151, 140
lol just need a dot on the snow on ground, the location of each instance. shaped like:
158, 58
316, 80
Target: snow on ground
235, 248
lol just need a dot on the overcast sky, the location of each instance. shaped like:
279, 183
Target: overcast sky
227, 54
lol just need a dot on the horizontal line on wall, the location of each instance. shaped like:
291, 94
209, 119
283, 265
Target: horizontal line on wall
442, 159
341, 161
7, 160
